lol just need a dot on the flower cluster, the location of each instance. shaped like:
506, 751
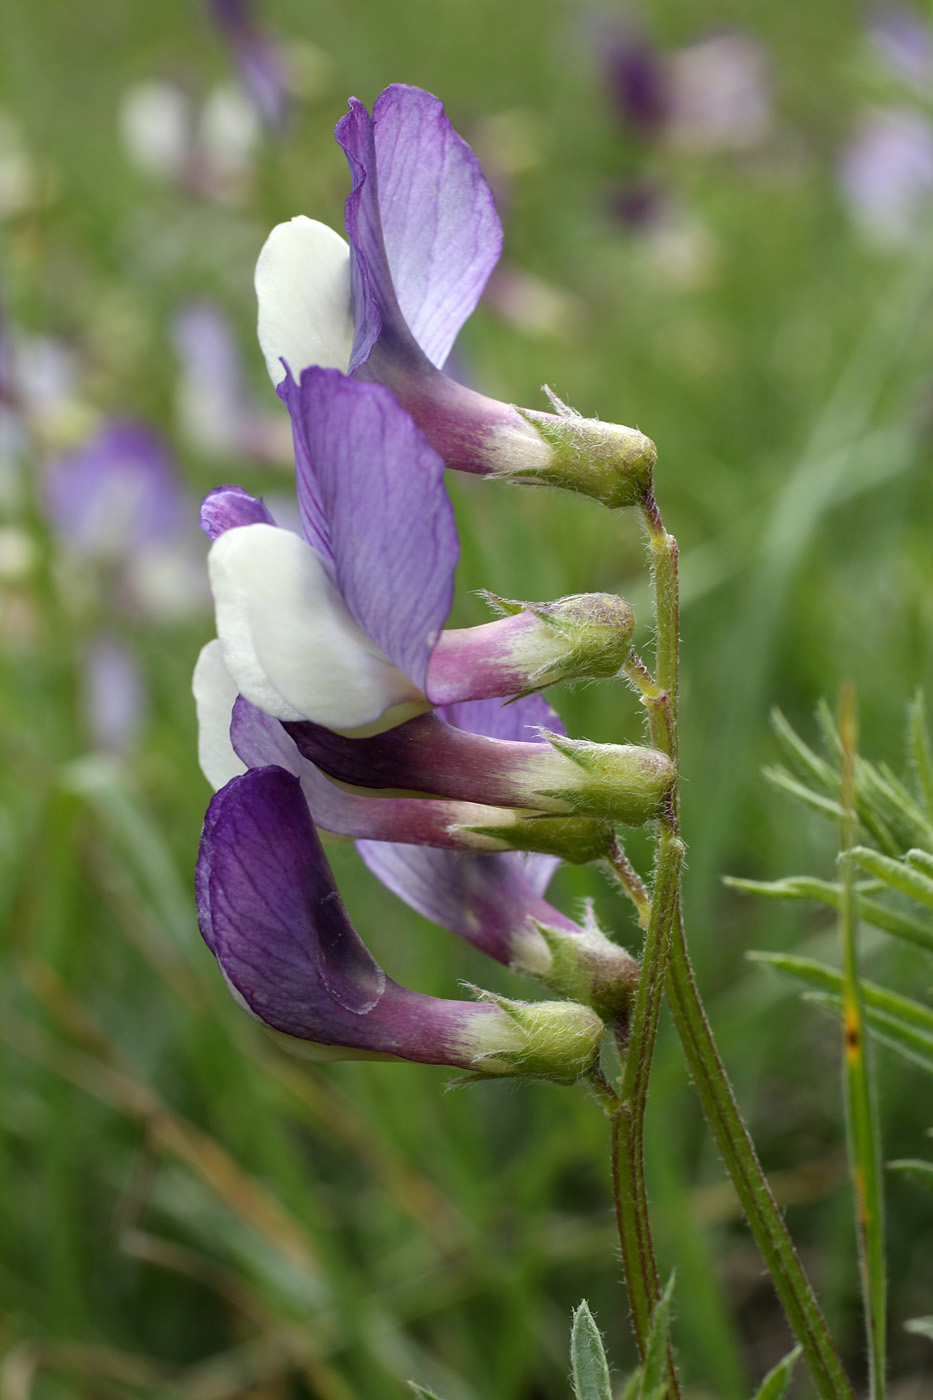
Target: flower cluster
334, 698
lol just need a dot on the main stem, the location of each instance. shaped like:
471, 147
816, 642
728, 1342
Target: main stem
636, 1040
709, 1073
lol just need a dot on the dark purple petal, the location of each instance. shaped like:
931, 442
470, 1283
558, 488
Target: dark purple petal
369, 479
226, 507
270, 913
276, 922
421, 221
486, 899
117, 493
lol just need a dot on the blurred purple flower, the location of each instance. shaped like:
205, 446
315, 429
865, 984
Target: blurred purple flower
904, 41
886, 173
114, 695
117, 493
637, 79
117, 501
259, 59
270, 912
213, 404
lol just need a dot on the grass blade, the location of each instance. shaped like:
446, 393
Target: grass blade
777, 1382
920, 751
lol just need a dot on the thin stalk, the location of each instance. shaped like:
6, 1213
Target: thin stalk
861, 1115
631, 882
636, 1040
703, 1059
636, 1048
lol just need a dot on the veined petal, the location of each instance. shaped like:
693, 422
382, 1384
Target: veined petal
215, 692
486, 899
289, 642
373, 488
226, 507
421, 220
303, 289
270, 913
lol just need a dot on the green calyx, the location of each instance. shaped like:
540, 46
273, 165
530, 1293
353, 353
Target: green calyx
586, 636
606, 461
578, 840
589, 967
625, 783
555, 1040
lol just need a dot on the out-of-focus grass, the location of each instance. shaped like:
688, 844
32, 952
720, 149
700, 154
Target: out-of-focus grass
185, 1212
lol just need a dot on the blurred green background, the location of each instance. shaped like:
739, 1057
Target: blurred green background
184, 1211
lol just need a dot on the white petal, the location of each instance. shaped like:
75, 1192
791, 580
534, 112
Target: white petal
305, 306
214, 693
288, 640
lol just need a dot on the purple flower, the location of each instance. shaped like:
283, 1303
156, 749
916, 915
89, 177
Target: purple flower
269, 911
637, 78
904, 41
423, 238
114, 695
886, 173
118, 503
258, 58
117, 493
342, 626
234, 735
468, 760
214, 407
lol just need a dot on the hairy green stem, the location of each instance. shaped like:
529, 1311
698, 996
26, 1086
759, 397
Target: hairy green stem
669, 957
636, 1048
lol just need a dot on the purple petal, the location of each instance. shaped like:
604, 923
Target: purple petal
421, 220
270, 913
275, 920
486, 899
226, 507
372, 487
117, 493
519, 720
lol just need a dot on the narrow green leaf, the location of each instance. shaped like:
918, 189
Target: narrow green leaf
826, 806
920, 750
589, 1367
809, 765
916, 1167
656, 1351
892, 921
920, 1326
920, 860
777, 1382
422, 1391
913, 1045
895, 873
828, 979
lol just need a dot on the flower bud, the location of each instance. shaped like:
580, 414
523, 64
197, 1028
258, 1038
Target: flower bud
583, 637
612, 782
556, 1040
589, 967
